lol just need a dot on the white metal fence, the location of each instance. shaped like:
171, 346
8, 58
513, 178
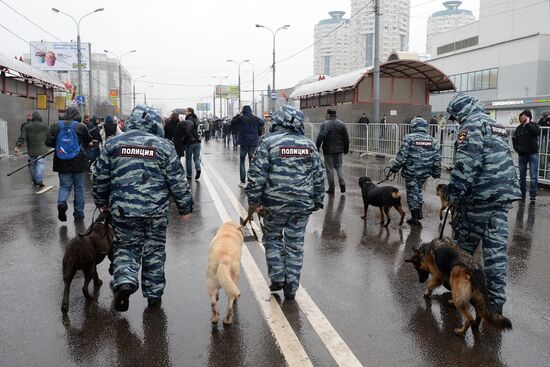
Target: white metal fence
4, 145
385, 140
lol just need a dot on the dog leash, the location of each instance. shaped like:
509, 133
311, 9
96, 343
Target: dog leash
389, 176
444, 222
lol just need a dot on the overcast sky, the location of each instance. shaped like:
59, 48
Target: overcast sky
188, 42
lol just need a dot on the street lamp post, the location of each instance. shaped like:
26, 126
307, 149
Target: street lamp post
273, 66
78, 53
119, 75
134, 89
220, 84
239, 63
145, 94
253, 90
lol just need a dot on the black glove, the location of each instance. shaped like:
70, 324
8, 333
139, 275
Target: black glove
394, 169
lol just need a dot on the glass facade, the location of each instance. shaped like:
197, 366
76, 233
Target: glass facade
475, 80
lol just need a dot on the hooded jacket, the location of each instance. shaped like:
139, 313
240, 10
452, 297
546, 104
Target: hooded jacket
78, 164
333, 137
484, 172
137, 171
286, 173
419, 155
249, 127
174, 131
34, 135
526, 139
191, 130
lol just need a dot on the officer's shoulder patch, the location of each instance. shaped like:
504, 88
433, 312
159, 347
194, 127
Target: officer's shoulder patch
138, 152
423, 143
286, 151
498, 130
462, 135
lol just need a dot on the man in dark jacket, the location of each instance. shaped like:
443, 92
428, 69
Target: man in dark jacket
192, 141
110, 126
333, 137
174, 131
71, 171
92, 150
364, 119
526, 143
34, 135
234, 129
249, 127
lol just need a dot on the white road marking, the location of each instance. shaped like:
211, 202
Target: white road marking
334, 343
47, 188
289, 343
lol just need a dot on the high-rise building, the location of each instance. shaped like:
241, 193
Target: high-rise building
332, 44
445, 20
394, 30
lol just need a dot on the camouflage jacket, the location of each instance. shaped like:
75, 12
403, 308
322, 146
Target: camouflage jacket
419, 155
286, 173
137, 171
484, 172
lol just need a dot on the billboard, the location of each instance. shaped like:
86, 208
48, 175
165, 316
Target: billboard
227, 91
59, 56
203, 106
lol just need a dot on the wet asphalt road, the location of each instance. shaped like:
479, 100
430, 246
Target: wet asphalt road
353, 271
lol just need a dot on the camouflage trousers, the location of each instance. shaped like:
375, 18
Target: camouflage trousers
140, 242
284, 248
414, 192
487, 224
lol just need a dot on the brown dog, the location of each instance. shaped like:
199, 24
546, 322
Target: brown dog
224, 260
449, 264
440, 190
84, 252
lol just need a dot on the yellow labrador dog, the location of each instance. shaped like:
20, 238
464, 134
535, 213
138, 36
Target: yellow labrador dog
224, 260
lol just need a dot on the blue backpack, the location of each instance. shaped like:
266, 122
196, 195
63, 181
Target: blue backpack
67, 145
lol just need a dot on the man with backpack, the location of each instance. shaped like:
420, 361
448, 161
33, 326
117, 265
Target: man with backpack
192, 139
69, 137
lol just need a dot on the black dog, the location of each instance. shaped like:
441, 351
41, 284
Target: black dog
382, 197
84, 252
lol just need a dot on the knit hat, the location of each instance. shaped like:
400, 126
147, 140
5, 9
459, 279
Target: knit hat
526, 113
109, 119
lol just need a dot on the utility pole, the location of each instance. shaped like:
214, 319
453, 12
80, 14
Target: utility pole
214, 101
376, 61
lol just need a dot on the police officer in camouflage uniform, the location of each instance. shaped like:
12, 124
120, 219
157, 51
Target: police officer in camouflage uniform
134, 177
483, 185
418, 158
286, 180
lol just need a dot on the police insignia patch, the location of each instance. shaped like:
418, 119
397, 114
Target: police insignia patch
462, 136
294, 152
138, 152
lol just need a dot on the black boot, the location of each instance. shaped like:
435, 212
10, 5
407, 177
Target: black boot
276, 286
413, 221
330, 190
420, 215
342, 188
198, 174
122, 297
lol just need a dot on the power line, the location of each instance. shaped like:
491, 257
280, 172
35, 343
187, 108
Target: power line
30, 21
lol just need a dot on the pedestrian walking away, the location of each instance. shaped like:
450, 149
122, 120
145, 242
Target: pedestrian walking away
174, 131
92, 150
234, 129
34, 136
526, 143
134, 177
286, 181
333, 139
418, 158
250, 129
192, 140
483, 186
110, 128
69, 137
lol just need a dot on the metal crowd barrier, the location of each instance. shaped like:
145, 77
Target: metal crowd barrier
4, 144
385, 140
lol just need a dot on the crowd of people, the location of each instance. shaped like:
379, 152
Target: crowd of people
136, 172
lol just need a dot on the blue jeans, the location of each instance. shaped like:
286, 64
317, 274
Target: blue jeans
37, 168
533, 161
193, 153
66, 183
246, 149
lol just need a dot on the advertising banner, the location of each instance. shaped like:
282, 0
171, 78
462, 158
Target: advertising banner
227, 91
113, 93
41, 102
59, 56
203, 106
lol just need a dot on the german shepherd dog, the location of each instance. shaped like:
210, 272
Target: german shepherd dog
224, 260
84, 252
448, 264
382, 197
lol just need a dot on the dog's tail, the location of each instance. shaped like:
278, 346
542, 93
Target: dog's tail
493, 319
223, 275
